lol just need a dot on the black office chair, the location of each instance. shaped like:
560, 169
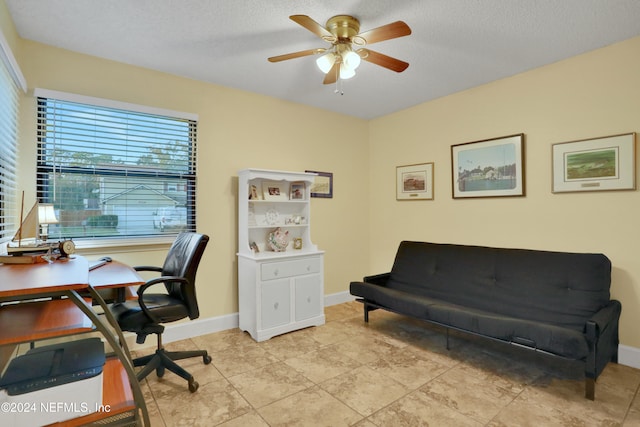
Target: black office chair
146, 315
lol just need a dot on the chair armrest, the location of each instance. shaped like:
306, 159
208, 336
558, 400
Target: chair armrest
148, 268
377, 279
600, 321
143, 288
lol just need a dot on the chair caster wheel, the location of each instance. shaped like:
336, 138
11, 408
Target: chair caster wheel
193, 386
160, 372
206, 359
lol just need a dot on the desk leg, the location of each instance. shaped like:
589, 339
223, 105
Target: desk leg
95, 295
111, 338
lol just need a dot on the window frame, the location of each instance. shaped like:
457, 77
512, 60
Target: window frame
8, 191
44, 168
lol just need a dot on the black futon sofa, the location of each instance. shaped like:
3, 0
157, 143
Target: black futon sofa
552, 302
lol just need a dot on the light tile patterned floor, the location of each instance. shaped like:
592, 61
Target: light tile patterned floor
395, 371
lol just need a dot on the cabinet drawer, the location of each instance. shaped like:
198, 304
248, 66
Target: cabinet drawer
298, 267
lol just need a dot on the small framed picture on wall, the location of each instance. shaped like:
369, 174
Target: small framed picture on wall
322, 185
414, 182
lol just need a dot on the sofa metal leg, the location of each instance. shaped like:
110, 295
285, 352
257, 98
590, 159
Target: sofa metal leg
590, 388
366, 312
447, 334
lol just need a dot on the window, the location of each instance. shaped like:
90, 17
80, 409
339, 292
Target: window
11, 80
114, 172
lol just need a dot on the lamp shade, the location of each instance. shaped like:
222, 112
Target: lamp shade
46, 214
325, 62
346, 73
351, 60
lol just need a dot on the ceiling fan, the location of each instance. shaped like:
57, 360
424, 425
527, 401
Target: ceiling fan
343, 32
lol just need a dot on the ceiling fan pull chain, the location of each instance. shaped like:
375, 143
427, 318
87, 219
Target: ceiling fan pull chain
339, 87
338, 82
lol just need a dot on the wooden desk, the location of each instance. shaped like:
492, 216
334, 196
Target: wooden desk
114, 274
59, 317
43, 278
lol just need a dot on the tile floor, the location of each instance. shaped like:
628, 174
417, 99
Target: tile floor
395, 371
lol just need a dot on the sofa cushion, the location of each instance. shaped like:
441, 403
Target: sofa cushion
557, 288
393, 299
552, 339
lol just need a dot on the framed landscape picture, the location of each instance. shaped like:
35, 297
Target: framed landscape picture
414, 182
488, 168
597, 164
322, 185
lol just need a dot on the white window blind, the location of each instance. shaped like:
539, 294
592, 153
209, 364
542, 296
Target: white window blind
113, 172
9, 103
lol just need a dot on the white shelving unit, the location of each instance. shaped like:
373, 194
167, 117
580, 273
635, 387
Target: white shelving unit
282, 289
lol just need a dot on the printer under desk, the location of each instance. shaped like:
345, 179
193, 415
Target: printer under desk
53, 383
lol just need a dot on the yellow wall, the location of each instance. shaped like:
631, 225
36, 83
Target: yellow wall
595, 94
236, 130
592, 95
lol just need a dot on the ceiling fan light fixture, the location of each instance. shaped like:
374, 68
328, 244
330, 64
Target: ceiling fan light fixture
325, 62
351, 60
339, 61
346, 72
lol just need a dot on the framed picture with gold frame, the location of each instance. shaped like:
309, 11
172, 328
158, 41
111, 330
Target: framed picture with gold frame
297, 243
414, 182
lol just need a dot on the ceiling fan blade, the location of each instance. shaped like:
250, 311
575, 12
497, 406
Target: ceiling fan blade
386, 32
296, 54
313, 26
332, 75
385, 61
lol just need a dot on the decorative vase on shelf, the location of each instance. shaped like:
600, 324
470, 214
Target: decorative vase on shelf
278, 240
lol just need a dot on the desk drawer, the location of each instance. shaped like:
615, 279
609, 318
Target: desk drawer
298, 267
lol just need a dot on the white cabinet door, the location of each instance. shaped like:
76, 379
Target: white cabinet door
275, 303
308, 296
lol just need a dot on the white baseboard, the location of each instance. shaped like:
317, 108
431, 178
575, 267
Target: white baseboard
339, 298
629, 356
209, 325
187, 329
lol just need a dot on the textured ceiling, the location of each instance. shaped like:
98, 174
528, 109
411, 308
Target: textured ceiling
454, 45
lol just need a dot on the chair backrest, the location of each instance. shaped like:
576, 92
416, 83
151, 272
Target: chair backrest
182, 261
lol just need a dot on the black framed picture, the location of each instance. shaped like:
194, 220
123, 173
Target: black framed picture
322, 185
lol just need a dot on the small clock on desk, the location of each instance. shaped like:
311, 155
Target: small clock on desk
66, 248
